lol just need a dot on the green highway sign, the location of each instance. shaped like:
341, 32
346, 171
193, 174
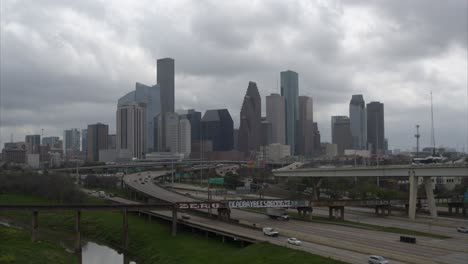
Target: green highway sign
216, 180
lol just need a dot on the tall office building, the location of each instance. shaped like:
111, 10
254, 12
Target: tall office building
275, 114
178, 133
97, 140
185, 137
84, 140
290, 92
218, 127
375, 127
250, 120
71, 142
341, 133
165, 79
33, 142
112, 141
305, 127
358, 120
194, 117
317, 144
150, 95
131, 129
266, 133
50, 141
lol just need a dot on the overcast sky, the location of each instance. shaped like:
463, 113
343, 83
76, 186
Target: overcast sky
65, 63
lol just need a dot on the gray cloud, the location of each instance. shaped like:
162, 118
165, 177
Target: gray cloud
65, 63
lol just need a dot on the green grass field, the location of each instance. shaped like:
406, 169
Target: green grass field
151, 242
16, 247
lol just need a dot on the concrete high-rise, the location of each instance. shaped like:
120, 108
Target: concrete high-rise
195, 122
50, 141
165, 80
185, 137
250, 120
131, 129
84, 140
341, 133
305, 127
71, 142
358, 121
275, 114
290, 92
266, 133
317, 144
97, 140
218, 127
375, 127
150, 95
178, 134
33, 142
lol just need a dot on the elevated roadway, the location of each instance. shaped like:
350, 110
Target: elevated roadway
340, 237
412, 172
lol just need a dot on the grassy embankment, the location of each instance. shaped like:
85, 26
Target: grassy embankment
150, 242
16, 247
325, 220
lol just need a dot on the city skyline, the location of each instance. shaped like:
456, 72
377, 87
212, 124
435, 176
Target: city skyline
401, 78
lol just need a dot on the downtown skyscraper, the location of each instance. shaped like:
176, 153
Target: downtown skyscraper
358, 121
290, 92
131, 129
97, 140
375, 127
305, 127
341, 133
275, 114
250, 120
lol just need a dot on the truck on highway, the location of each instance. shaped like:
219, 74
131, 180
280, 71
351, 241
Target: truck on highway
278, 213
268, 231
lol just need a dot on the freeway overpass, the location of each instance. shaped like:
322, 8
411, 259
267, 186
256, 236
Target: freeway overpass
428, 250
412, 172
149, 164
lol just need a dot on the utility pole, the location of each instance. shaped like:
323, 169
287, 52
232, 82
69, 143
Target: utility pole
417, 136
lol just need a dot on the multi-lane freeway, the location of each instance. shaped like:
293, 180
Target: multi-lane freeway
332, 240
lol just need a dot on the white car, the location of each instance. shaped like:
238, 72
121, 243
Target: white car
377, 260
294, 241
462, 229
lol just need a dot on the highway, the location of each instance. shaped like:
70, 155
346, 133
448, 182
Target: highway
427, 250
326, 251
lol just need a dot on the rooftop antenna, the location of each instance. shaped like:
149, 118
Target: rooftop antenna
417, 136
432, 129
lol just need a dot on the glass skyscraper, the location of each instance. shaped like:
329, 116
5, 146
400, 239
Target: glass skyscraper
290, 92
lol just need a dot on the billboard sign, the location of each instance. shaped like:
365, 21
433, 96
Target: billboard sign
199, 205
265, 203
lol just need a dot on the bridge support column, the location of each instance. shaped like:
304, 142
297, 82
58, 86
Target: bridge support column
34, 227
77, 232
174, 221
450, 209
413, 194
125, 230
330, 212
430, 196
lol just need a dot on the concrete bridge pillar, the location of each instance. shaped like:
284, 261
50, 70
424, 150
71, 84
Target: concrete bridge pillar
430, 196
77, 232
34, 226
413, 194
